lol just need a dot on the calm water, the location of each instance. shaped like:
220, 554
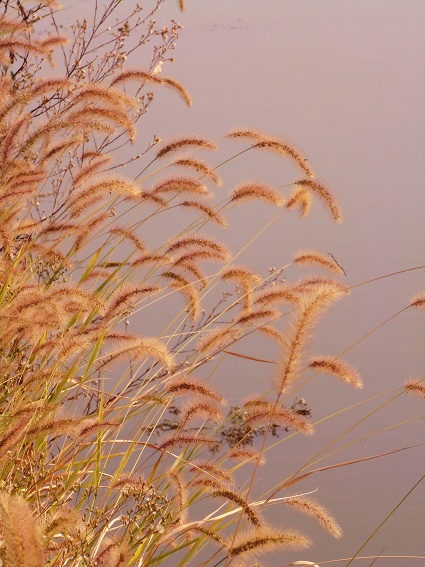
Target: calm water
345, 82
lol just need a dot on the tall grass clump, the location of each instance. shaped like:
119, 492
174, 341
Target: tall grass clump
115, 445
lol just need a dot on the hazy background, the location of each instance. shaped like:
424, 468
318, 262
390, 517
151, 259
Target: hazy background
344, 82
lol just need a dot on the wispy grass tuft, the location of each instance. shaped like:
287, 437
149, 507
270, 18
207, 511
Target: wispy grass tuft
116, 445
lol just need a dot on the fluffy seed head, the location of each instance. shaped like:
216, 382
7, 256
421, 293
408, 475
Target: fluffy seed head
256, 542
416, 387
311, 508
190, 386
183, 143
337, 368
312, 257
418, 301
258, 191
324, 195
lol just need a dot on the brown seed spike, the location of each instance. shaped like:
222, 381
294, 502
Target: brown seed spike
209, 212
242, 275
258, 541
311, 508
139, 348
298, 334
210, 469
257, 191
177, 87
248, 133
21, 534
276, 145
254, 316
182, 143
146, 76
198, 242
135, 75
337, 368
300, 198
243, 454
199, 409
273, 333
200, 166
124, 297
187, 289
257, 411
233, 497
190, 386
324, 195
180, 496
126, 234
416, 387
319, 284
180, 185
277, 294
108, 96
247, 280
317, 259
418, 301
183, 440
217, 339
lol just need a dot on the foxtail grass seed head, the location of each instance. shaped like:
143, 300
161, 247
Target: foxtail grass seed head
254, 542
415, 387
257, 191
180, 496
242, 275
418, 301
191, 386
320, 285
274, 334
206, 211
260, 411
180, 441
136, 349
184, 143
199, 242
278, 294
303, 321
211, 470
232, 496
337, 368
246, 455
180, 185
311, 508
21, 533
264, 141
147, 77
200, 167
189, 291
217, 339
324, 195
314, 258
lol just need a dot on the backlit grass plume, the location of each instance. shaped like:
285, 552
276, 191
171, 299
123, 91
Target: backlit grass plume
118, 313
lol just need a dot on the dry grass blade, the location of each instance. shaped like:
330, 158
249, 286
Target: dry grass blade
296, 479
